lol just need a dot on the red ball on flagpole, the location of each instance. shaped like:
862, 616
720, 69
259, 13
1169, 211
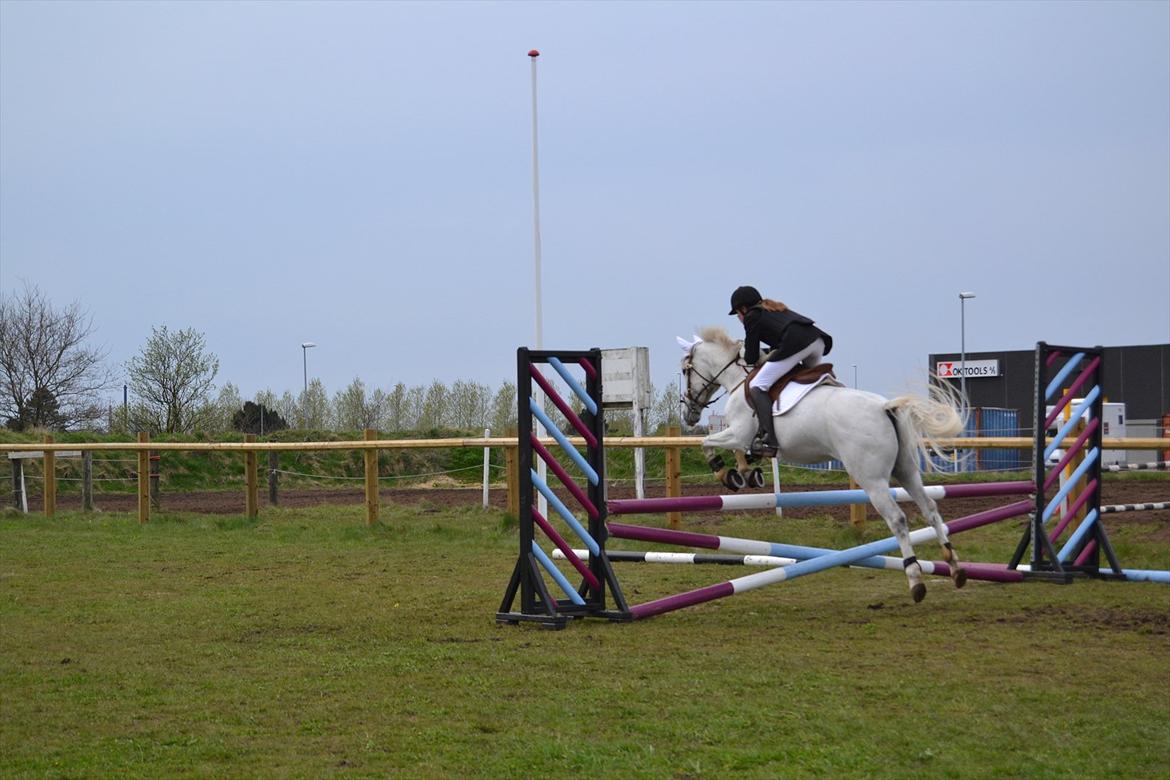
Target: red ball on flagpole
534, 53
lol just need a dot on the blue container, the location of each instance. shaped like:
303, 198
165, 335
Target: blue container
994, 422
985, 422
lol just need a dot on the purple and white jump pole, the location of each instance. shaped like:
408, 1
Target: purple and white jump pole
742, 502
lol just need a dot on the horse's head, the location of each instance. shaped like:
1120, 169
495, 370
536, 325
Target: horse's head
705, 368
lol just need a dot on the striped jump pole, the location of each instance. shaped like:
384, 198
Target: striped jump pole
1154, 507
734, 503
862, 555
1160, 465
632, 556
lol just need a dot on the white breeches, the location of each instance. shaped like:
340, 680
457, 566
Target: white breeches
810, 356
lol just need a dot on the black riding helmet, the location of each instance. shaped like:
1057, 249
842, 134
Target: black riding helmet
744, 296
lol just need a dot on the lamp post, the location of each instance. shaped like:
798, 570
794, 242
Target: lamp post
305, 347
963, 296
854, 376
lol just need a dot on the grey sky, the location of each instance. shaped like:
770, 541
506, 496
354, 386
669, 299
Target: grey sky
358, 175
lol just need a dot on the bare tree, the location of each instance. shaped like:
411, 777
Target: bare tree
666, 408
316, 411
470, 404
172, 378
396, 409
436, 406
50, 378
503, 408
356, 409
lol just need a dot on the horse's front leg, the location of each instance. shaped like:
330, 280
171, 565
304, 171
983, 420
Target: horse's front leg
725, 439
754, 476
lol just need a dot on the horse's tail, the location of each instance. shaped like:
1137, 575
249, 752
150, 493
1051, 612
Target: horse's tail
922, 421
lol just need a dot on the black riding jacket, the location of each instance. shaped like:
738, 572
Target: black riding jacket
785, 332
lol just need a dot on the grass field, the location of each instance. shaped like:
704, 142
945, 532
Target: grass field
305, 644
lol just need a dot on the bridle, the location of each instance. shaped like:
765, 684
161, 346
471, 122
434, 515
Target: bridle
696, 399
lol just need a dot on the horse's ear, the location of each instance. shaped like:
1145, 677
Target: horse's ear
685, 345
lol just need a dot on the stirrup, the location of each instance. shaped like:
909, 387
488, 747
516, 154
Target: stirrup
760, 448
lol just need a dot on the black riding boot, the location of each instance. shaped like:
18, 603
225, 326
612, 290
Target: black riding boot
765, 444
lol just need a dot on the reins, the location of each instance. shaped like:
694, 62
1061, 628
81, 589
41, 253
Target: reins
709, 381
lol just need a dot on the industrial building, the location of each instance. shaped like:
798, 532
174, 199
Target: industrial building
1136, 376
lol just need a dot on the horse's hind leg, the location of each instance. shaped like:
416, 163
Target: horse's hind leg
879, 495
911, 480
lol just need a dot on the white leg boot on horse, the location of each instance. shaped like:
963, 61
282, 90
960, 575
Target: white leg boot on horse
887, 507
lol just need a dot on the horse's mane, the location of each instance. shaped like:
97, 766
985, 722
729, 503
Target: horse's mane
718, 335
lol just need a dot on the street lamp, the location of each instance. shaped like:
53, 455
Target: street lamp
305, 347
854, 376
963, 296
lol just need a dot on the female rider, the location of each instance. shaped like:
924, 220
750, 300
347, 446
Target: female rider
792, 339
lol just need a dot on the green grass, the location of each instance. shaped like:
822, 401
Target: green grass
304, 644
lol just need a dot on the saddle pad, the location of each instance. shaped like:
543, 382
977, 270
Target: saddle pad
792, 392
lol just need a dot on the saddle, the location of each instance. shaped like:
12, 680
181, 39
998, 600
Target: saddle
801, 373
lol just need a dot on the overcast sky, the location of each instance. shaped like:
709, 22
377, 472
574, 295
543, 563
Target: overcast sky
359, 175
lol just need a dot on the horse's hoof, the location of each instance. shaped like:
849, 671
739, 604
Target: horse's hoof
734, 480
959, 576
948, 553
755, 478
918, 592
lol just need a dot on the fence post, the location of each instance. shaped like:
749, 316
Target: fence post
856, 511
50, 479
273, 476
673, 475
512, 470
371, 459
87, 481
143, 478
19, 500
155, 467
251, 479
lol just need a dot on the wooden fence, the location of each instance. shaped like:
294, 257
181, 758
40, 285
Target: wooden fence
370, 445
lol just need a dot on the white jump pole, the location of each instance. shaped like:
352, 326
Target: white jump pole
487, 454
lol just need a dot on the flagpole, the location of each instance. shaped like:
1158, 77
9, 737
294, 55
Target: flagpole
536, 208
542, 502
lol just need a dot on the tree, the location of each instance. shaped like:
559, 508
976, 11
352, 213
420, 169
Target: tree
435, 406
357, 410
219, 416
415, 399
470, 405
666, 409
396, 409
503, 409
172, 378
257, 418
50, 378
316, 411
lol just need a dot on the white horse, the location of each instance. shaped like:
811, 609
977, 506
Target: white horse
873, 437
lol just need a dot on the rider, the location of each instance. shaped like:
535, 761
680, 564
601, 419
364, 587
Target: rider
793, 339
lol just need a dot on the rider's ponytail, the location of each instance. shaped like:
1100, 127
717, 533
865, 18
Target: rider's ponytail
768, 304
